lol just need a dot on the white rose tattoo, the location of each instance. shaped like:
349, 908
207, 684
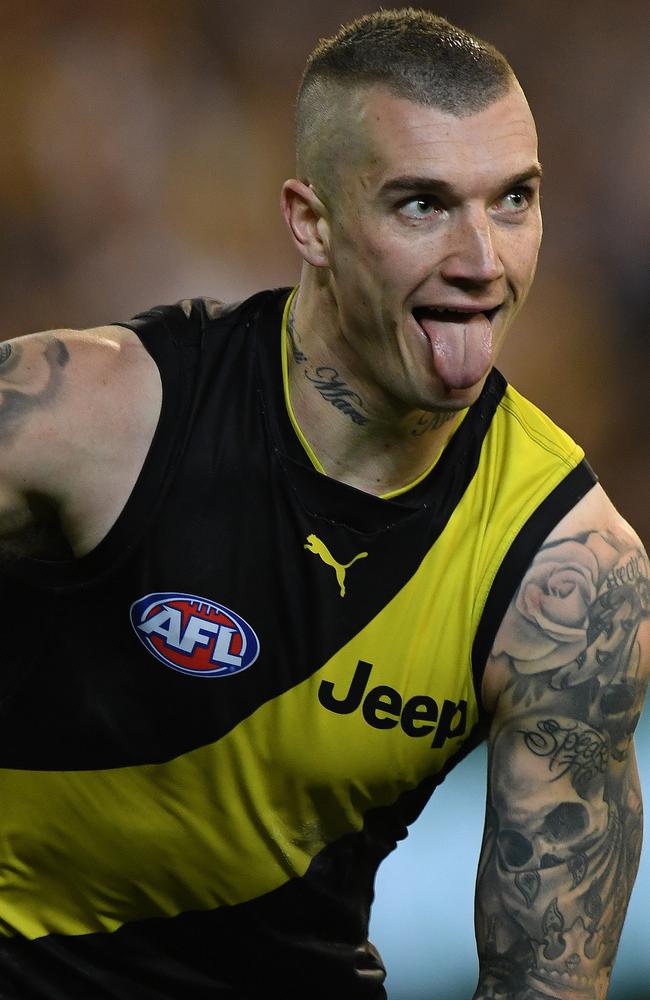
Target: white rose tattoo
575, 602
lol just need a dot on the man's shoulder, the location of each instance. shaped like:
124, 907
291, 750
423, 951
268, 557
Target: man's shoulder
47, 367
526, 421
76, 407
531, 472
590, 575
201, 313
63, 385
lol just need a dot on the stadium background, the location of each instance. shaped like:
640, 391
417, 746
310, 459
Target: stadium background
143, 145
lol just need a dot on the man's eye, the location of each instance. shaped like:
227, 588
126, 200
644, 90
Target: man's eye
418, 208
516, 200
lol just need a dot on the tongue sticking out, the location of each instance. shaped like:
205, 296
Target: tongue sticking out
461, 347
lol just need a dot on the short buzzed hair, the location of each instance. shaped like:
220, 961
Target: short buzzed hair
414, 54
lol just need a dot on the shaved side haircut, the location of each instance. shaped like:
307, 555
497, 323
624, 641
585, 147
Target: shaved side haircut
414, 54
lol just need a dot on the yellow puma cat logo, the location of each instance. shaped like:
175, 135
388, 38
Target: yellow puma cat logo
320, 549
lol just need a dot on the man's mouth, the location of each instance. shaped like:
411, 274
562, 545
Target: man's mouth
452, 314
460, 339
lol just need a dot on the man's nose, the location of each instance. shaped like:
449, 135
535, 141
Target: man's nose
471, 253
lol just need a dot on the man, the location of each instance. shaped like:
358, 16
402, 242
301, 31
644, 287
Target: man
273, 568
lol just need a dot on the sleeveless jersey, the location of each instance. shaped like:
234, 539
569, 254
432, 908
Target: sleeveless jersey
216, 724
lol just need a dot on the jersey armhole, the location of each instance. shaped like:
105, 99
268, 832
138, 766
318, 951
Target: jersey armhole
160, 340
516, 560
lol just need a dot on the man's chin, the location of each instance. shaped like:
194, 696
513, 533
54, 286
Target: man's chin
452, 398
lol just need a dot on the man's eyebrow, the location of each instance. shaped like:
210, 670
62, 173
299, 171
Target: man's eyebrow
417, 183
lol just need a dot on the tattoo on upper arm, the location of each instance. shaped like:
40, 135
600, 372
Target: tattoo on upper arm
563, 833
9, 358
16, 401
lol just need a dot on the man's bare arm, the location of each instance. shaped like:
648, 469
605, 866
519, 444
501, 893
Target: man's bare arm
78, 410
567, 678
31, 377
31, 381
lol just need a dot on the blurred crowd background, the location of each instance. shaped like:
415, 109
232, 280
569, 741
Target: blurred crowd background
143, 144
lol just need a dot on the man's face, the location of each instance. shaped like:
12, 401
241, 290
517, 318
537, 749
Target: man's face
432, 238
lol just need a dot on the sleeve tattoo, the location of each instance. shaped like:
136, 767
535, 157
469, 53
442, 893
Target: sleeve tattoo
564, 819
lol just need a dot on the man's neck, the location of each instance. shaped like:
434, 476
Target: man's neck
356, 436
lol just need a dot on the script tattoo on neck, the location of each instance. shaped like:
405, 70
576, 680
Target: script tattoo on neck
17, 402
333, 389
298, 355
431, 422
327, 380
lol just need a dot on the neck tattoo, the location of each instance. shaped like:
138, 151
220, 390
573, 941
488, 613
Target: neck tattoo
332, 387
431, 422
327, 380
298, 355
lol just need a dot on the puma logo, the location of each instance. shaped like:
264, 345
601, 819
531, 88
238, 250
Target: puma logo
319, 548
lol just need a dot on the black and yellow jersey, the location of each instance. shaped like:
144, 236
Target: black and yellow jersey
217, 724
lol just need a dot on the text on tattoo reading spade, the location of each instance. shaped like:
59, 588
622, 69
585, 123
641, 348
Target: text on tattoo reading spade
578, 750
384, 708
636, 568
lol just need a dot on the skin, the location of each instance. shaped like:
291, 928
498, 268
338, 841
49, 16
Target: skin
78, 410
565, 682
379, 248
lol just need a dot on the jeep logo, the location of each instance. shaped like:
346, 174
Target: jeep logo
383, 708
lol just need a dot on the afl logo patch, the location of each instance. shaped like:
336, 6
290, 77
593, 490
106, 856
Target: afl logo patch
194, 635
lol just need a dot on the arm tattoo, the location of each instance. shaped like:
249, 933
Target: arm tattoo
564, 824
575, 750
17, 403
9, 358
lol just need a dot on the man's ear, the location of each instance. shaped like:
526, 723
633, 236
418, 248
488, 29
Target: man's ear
306, 217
